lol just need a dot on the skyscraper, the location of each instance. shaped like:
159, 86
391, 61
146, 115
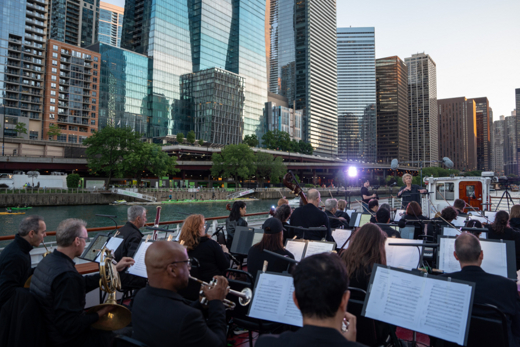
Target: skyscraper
484, 121
422, 108
357, 138
498, 146
510, 163
23, 29
517, 111
73, 21
110, 24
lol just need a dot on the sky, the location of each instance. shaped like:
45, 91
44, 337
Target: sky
474, 43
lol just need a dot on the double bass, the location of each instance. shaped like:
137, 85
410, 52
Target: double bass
292, 183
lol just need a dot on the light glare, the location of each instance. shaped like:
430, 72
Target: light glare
352, 171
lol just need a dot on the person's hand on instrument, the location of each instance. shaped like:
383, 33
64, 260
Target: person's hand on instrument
124, 263
349, 321
217, 292
104, 311
224, 248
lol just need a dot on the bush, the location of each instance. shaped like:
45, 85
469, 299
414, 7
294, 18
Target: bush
308, 185
73, 180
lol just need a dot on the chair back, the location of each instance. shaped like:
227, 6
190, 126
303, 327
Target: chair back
366, 327
125, 341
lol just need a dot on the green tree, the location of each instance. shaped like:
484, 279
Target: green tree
53, 131
268, 140
235, 161
306, 148
251, 140
294, 146
20, 128
148, 156
201, 142
269, 166
73, 180
283, 140
108, 148
180, 138
473, 173
435, 172
191, 137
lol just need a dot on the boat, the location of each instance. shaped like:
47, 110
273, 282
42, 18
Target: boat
190, 201
119, 202
20, 208
7, 213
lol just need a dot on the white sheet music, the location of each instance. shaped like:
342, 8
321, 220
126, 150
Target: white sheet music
349, 212
112, 244
405, 257
424, 304
459, 221
139, 268
479, 218
398, 215
365, 218
273, 300
341, 236
491, 216
494, 262
316, 247
450, 231
296, 248
358, 218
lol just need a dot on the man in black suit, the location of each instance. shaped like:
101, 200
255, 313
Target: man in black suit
323, 307
161, 317
383, 217
309, 216
490, 289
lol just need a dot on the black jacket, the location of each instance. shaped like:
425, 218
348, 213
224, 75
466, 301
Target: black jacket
419, 227
334, 223
344, 215
230, 229
161, 318
409, 196
390, 232
508, 234
15, 267
515, 223
131, 239
309, 216
256, 257
495, 290
309, 335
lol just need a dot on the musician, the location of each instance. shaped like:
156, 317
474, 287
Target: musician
501, 230
489, 289
373, 206
410, 192
331, 206
323, 307
414, 213
448, 214
342, 205
15, 261
365, 194
282, 201
213, 258
283, 213
272, 241
235, 220
161, 317
459, 205
309, 216
383, 217
514, 218
60, 290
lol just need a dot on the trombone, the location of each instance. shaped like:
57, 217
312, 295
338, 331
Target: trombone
244, 296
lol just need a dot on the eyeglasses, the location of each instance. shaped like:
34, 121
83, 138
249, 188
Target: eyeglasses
87, 239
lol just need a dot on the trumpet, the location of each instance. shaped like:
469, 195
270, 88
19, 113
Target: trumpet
244, 296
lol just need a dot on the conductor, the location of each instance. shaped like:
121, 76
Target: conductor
410, 192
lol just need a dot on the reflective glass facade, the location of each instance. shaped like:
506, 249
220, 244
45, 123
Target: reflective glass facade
484, 122
517, 100
110, 24
74, 21
357, 117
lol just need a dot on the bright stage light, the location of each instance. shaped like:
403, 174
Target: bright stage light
352, 171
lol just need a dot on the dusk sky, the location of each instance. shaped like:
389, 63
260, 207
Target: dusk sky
474, 43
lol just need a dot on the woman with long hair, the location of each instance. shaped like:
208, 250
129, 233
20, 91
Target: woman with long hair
413, 213
211, 257
500, 230
283, 213
514, 218
235, 220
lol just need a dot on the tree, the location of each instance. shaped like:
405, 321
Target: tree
108, 147
305, 148
148, 156
294, 146
269, 166
191, 137
201, 142
236, 161
53, 131
180, 138
435, 172
251, 140
73, 180
20, 128
268, 140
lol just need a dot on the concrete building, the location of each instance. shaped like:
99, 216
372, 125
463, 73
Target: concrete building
484, 121
110, 24
279, 116
498, 146
458, 132
510, 160
517, 109
422, 108
73, 21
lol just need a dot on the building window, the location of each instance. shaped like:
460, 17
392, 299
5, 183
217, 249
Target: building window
93, 115
94, 86
53, 101
73, 128
55, 55
73, 138
53, 77
54, 47
93, 101
52, 108
62, 138
51, 116
53, 85
33, 135
93, 107
54, 70
55, 62
53, 93
94, 79
95, 58
92, 122
95, 66
94, 93
95, 73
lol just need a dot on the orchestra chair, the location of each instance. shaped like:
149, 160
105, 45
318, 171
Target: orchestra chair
221, 237
125, 341
488, 327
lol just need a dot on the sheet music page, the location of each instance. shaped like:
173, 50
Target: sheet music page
423, 304
273, 300
365, 218
349, 212
447, 261
479, 218
450, 232
459, 221
296, 248
490, 215
315, 247
358, 218
112, 244
341, 236
398, 215
404, 257
139, 268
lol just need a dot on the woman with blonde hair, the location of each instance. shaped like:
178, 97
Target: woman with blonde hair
514, 218
410, 192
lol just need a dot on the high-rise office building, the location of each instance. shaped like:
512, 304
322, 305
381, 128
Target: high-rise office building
517, 110
316, 72
484, 121
22, 58
357, 119
71, 91
497, 161
392, 109
458, 132
510, 163
73, 21
422, 109
279, 116
110, 24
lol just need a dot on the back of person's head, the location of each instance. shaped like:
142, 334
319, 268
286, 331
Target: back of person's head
515, 212
501, 222
313, 195
320, 281
414, 209
235, 210
467, 248
331, 204
190, 232
459, 204
449, 213
28, 224
134, 211
474, 224
382, 215
373, 203
68, 230
386, 206
342, 204
283, 201
272, 240
282, 213
367, 247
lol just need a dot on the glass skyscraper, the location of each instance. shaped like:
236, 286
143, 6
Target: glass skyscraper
357, 116
110, 24
74, 21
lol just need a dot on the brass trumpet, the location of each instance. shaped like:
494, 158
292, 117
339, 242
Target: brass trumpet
244, 296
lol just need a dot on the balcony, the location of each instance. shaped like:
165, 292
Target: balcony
13, 72
14, 89
15, 40
14, 56
11, 96
63, 104
65, 52
13, 48
64, 60
11, 104
36, 7
87, 65
12, 80
34, 116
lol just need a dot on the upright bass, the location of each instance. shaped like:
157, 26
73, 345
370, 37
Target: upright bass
292, 183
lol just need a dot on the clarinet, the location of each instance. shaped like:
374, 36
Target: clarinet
156, 222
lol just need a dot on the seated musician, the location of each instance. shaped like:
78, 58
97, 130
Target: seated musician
61, 290
501, 230
413, 213
308, 216
331, 206
320, 292
283, 213
238, 210
213, 259
272, 241
15, 261
365, 197
161, 317
342, 205
459, 205
282, 201
514, 218
490, 289
373, 206
383, 217
448, 214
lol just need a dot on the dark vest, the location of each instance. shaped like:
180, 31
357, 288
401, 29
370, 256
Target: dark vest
44, 275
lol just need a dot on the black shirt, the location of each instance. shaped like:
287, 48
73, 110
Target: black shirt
344, 215
131, 239
256, 257
333, 222
419, 227
15, 267
390, 232
309, 216
409, 196
364, 191
515, 223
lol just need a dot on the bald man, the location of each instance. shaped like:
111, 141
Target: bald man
161, 316
309, 216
